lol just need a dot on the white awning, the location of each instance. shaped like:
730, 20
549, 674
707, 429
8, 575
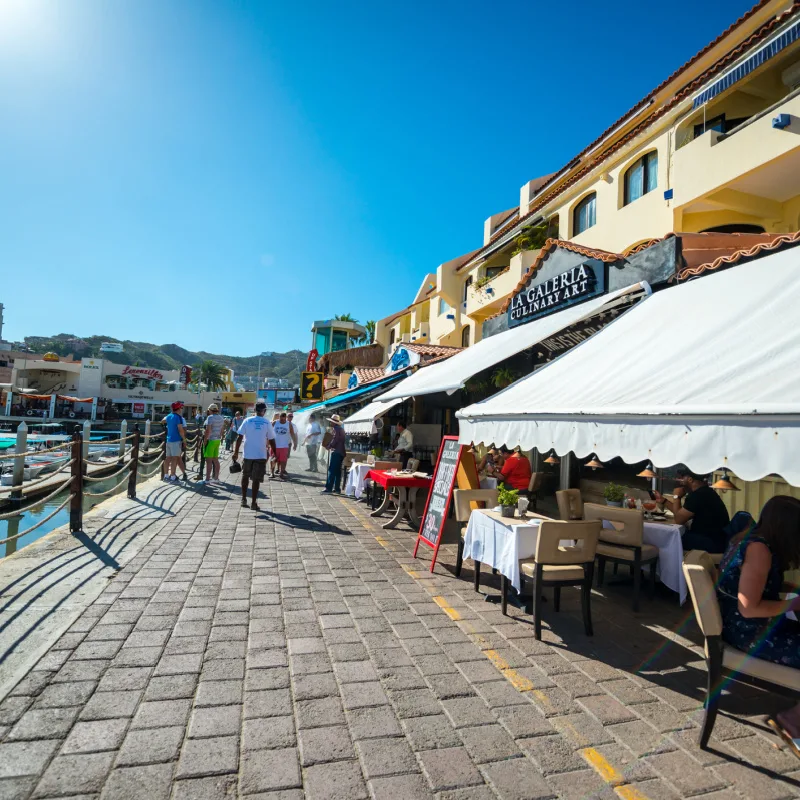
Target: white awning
452, 374
704, 374
361, 421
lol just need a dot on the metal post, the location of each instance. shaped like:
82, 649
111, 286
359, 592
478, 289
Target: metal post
76, 487
134, 464
87, 437
19, 465
12, 530
164, 454
123, 432
201, 447
146, 436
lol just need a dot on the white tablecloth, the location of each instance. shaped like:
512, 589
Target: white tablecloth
667, 538
500, 545
355, 479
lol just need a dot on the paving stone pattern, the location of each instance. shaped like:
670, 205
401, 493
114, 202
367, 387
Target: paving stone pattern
302, 652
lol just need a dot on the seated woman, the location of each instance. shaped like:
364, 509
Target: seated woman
753, 613
516, 471
488, 465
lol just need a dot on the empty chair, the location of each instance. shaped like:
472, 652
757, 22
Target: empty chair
413, 464
463, 499
371, 459
622, 542
534, 484
557, 566
570, 504
722, 659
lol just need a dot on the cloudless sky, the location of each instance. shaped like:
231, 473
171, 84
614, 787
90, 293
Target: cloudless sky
219, 174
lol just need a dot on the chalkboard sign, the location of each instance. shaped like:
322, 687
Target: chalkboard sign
444, 478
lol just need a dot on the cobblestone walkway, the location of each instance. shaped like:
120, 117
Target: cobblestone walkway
302, 652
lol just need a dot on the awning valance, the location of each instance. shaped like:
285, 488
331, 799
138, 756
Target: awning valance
703, 374
451, 375
362, 421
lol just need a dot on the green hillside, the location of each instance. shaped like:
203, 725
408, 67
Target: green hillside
169, 356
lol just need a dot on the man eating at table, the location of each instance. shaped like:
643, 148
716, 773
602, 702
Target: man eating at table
703, 507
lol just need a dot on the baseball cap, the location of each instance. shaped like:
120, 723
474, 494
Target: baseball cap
177, 405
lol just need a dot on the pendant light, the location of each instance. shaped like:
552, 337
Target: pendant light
594, 463
552, 458
647, 472
725, 483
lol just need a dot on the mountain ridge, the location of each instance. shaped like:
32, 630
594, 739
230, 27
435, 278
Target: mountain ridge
169, 356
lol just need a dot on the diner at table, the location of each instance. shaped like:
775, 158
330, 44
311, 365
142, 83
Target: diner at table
516, 471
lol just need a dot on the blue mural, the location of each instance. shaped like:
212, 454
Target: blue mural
353, 382
401, 359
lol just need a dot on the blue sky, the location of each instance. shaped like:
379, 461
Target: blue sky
218, 174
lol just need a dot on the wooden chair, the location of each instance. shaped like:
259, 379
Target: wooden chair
623, 543
570, 504
722, 659
534, 484
413, 464
463, 499
557, 566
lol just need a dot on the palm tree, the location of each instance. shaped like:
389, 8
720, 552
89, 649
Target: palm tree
370, 334
345, 318
210, 373
503, 377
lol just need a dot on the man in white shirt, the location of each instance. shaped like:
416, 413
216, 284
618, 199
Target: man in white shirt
405, 443
256, 433
284, 438
312, 441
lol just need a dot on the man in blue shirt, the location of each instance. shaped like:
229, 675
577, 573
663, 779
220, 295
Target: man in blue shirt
176, 437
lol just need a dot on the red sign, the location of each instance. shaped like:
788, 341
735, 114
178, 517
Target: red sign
138, 408
311, 363
142, 372
440, 495
186, 374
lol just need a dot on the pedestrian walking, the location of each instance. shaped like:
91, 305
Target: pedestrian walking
337, 451
273, 457
233, 430
284, 439
212, 439
295, 436
312, 439
176, 440
256, 433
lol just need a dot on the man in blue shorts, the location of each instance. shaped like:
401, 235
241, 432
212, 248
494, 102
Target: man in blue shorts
176, 437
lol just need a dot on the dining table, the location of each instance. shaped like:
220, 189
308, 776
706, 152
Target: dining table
667, 535
357, 479
409, 488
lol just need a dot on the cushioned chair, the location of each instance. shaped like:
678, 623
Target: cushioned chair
623, 543
570, 504
463, 500
557, 566
722, 659
413, 464
534, 484
371, 459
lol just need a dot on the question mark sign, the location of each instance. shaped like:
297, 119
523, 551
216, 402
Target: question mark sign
313, 380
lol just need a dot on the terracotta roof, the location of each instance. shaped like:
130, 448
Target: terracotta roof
367, 374
681, 94
433, 350
549, 246
769, 243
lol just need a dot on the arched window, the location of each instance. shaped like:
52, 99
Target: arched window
641, 177
584, 215
465, 336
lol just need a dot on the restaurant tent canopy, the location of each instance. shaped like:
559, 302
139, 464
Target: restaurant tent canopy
451, 375
703, 374
361, 421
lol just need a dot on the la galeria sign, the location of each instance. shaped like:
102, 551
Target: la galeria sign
571, 286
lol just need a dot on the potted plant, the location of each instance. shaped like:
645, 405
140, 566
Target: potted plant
507, 499
614, 494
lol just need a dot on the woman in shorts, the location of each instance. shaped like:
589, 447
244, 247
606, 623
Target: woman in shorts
211, 442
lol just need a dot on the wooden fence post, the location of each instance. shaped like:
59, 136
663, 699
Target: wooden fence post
76, 487
134, 464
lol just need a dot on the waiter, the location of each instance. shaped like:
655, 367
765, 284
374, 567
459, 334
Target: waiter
405, 443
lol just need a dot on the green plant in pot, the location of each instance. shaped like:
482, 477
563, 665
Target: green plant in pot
507, 498
614, 494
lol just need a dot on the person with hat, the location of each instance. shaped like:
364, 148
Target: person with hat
338, 452
212, 439
176, 441
256, 432
284, 438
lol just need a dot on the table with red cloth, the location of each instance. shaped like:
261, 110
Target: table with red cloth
407, 486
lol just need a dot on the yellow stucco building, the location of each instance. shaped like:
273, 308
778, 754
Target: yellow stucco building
714, 147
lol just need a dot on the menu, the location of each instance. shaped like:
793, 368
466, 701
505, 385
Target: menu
444, 478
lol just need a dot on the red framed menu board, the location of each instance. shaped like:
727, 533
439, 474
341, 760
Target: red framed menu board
454, 460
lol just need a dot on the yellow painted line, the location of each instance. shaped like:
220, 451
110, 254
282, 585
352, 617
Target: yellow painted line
381, 541
453, 614
630, 793
542, 698
449, 610
497, 659
576, 734
608, 772
519, 682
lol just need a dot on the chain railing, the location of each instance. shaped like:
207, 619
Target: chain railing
136, 459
